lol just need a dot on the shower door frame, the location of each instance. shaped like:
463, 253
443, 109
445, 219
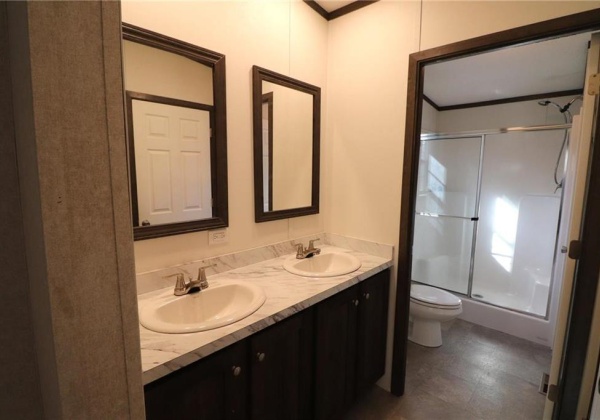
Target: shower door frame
482, 134
588, 265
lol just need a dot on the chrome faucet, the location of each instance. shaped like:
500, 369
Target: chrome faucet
308, 252
192, 286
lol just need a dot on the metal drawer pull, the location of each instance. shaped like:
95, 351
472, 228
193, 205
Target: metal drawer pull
260, 356
367, 295
355, 302
236, 370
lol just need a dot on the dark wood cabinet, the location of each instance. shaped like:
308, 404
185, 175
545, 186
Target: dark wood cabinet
335, 335
372, 329
212, 388
350, 334
281, 370
311, 365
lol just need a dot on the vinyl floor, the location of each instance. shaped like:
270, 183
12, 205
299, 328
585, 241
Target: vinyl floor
478, 373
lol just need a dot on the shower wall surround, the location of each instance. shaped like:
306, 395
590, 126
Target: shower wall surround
518, 214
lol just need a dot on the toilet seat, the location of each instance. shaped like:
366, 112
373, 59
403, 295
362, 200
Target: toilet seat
433, 298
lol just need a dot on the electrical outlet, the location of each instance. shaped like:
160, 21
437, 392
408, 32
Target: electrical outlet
218, 237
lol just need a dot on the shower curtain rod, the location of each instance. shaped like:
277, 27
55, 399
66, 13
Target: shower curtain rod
466, 134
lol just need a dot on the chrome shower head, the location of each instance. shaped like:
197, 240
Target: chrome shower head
563, 111
568, 105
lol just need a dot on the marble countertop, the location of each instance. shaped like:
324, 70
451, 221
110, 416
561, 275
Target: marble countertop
286, 295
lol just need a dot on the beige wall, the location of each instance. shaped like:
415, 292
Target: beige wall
448, 21
288, 38
367, 86
157, 72
292, 146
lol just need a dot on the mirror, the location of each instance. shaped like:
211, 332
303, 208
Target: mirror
287, 127
176, 132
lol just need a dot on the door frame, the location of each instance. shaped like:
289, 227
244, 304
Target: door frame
588, 269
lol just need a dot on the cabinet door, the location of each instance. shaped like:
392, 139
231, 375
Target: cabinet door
212, 388
372, 329
335, 354
281, 364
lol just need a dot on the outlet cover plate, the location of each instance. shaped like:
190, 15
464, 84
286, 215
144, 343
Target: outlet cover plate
219, 236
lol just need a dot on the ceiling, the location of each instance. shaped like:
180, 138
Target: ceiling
331, 5
547, 66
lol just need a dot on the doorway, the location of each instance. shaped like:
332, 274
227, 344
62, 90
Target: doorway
584, 290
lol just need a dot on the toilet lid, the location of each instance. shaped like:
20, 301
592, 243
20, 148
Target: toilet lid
433, 296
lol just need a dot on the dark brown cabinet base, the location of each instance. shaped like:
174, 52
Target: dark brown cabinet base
212, 388
351, 331
281, 366
311, 365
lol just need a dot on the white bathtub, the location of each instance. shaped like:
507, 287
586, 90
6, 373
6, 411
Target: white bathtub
524, 326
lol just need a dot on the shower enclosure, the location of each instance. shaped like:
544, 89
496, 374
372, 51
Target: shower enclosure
487, 215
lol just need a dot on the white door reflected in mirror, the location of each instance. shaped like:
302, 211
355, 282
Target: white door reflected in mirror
173, 170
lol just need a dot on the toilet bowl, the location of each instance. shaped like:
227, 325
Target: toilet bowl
429, 307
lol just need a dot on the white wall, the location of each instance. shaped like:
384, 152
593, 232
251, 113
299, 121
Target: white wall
286, 37
367, 85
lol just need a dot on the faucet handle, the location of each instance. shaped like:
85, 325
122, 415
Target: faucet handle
201, 273
179, 283
299, 250
311, 243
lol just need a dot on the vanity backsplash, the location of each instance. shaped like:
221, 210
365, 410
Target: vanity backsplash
155, 280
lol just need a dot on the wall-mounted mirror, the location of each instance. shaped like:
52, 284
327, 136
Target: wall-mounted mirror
287, 127
176, 129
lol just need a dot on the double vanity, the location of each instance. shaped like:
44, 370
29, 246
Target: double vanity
269, 344
294, 333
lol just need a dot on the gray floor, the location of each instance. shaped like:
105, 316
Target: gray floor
478, 373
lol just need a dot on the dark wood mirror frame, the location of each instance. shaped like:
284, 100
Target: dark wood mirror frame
259, 75
216, 61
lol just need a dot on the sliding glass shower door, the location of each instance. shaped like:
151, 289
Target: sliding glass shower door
446, 212
487, 215
520, 206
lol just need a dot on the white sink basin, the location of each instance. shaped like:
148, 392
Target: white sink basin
324, 265
215, 307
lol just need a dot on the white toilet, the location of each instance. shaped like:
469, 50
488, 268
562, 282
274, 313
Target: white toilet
429, 307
